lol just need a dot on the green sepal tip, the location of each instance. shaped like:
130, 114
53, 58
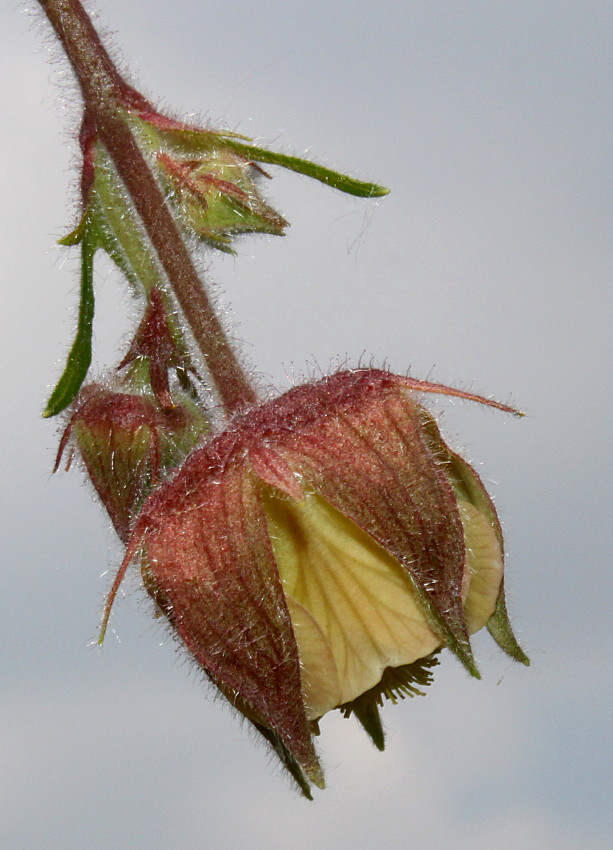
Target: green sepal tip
500, 629
288, 761
366, 711
396, 683
74, 237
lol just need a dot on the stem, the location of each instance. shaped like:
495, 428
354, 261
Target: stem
104, 94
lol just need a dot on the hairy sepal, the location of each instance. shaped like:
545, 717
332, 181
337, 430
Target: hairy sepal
206, 546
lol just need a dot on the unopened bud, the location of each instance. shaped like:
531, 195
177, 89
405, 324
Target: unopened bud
217, 196
128, 444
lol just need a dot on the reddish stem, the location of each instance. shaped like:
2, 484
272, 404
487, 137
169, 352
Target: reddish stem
104, 94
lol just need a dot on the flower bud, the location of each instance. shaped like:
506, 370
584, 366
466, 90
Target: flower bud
316, 554
128, 444
212, 176
212, 186
155, 347
217, 195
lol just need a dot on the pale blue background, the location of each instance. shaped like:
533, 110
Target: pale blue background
489, 266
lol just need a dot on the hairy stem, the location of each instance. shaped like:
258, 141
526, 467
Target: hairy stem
104, 93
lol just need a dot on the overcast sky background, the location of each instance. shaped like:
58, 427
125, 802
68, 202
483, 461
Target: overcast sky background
489, 267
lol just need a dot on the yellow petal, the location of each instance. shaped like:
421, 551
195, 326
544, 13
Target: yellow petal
318, 671
352, 605
484, 567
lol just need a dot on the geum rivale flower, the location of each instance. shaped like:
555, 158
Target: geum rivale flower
318, 552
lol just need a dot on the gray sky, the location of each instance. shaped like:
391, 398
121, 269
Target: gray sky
488, 267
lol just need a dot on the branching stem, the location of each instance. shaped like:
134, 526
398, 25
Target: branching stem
105, 95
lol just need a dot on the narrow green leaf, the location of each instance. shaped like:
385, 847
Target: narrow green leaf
80, 355
310, 169
108, 223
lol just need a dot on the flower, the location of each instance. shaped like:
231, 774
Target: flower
318, 552
128, 443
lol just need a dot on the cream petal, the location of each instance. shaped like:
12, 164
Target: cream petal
352, 605
319, 674
484, 568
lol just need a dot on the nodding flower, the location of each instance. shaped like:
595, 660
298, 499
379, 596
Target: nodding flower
320, 552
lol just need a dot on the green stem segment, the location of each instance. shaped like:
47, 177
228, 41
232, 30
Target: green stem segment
104, 92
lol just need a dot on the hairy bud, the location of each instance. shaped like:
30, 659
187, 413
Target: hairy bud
128, 444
